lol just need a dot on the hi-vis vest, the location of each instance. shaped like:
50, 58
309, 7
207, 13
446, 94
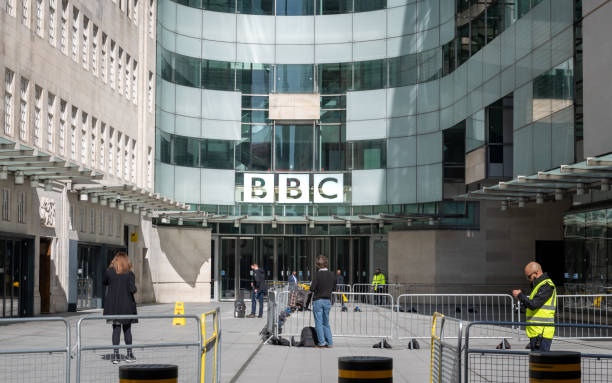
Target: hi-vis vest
545, 314
378, 280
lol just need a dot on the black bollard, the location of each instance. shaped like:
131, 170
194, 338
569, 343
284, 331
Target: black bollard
357, 368
167, 373
554, 366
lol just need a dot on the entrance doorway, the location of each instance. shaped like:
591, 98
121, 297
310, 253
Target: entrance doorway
280, 256
16, 287
44, 274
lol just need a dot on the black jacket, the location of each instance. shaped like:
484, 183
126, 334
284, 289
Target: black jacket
119, 298
259, 280
339, 279
323, 284
544, 294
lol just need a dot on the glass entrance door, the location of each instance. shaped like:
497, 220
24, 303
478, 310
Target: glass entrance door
15, 289
228, 268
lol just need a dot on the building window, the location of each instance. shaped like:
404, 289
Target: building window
103, 59
150, 92
118, 169
369, 155
120, 71
118, 219
50, 120
10, 7
39, 17
102, 146
94, 51
75, 35
61, 135
135, 12
134, 82
110, 152
73, 132
38, 116
64, 28
149, 167
152, 19
110, 226
293, 147
25, 15
128, 78
254, 151
126, 158
92, 221
6, 207
23, 116
295, 8
92, 143
84, 137
52, 14
133, 161
85, 50
82, 219
21, 207
9, 89
294, 78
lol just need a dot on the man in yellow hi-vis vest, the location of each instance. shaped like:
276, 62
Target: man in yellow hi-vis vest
377, 281
540, 305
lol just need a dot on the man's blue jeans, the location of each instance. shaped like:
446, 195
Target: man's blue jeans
259, 296
544, 345
320, 310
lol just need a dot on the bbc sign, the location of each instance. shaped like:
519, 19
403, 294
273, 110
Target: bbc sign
293, 188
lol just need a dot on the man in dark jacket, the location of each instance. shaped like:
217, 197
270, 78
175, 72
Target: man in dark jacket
322, 286
259, 290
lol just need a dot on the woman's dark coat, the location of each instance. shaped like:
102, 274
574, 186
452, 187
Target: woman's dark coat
119, 298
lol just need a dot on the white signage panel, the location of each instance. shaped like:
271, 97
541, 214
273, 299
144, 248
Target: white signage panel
258, 188
328, 188
293, 188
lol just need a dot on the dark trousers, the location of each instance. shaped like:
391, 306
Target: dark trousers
127, 335
259, 296
544, 345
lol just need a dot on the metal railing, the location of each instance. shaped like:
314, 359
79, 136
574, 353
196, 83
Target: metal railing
93, 361
38, 362
498, 365
211, 349
445, 357
351, 315
414, 313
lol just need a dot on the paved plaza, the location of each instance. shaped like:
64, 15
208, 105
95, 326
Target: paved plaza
244, 358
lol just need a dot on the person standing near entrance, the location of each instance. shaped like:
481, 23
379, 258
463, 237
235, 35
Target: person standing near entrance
259, 290
541, 306
293, 281
119, 300
377, 284
322, 286
339, 287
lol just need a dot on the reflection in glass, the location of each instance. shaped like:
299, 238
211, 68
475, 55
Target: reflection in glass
256, 7
369, 154
294, 78
219, 5
190, 3
217, 75
334, 7
403, 70
187, 70
165, 145
254, 151
553, 90
294, 146
295, 7
255, 116
335, 78
217, 154
369, 75
430, 65
186, 151
255, 102
369, 5
330, 145
333, 102
254, 78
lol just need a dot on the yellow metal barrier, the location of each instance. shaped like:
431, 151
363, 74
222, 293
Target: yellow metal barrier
434, 337
210, 343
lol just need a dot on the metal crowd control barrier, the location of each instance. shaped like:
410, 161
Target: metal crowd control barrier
93, 362
414, 312
584, 309
211, 350
445, 357
37, 363
348, 316
494, 365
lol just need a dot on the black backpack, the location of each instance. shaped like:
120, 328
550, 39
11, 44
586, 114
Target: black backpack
308, 337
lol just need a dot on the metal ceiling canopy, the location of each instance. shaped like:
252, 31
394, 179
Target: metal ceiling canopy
595, 172
134, 195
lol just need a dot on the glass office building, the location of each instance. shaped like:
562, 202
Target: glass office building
304, 127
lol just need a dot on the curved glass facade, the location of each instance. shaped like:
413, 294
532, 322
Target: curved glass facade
396, 100
286, 7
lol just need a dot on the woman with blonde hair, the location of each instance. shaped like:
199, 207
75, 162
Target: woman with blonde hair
119, 300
